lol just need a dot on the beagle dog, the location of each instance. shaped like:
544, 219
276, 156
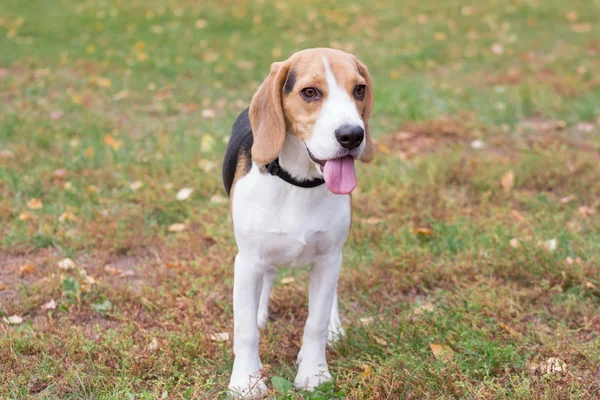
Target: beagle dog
289, 171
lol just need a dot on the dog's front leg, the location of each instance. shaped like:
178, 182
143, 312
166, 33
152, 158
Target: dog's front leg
246, 378
312, 364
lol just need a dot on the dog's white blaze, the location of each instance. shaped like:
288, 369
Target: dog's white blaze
338, 109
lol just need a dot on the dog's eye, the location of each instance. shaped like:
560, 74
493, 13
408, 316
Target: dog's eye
310, 94
359, 91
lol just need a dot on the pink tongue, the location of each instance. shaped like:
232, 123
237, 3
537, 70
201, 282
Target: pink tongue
339, 175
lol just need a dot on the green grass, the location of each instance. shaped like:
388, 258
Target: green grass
439, 252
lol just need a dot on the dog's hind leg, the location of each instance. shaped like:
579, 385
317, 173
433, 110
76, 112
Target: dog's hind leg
265, 294
336, 331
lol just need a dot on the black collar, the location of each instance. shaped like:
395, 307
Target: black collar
275, 169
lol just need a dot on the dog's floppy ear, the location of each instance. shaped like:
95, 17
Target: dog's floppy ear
367, 154
266, 115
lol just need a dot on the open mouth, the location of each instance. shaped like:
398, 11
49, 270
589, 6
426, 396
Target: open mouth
338, 173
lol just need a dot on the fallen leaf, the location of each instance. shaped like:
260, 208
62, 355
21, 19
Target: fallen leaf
442, 352
423, 231
2, 286
56, 115
153, 345
553, 365
136, 185
51, 305
207, 165
67, 216
218, 199
92, 189
421, 309
200, 23
372, 221
35, 204
514, 243
66, 264
551, 244
112, 270
510, 330
366, 320
586, 211
4, 153
589, 285
123, 94
380, 341
209, 113
206, 143
184, 194
366, 371
497, 49
13, 320
173, 265
25, 216
27, 269
220, 337
177, 227
115, 144
60, 173
440, 36
517, 215
508, 181
568, 199
478, 144
89, 152
287, 280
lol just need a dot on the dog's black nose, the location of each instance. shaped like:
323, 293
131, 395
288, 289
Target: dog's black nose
350, 136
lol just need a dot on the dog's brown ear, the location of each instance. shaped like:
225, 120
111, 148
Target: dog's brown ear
367, 154
266, 115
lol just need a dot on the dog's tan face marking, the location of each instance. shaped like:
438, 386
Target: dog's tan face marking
310, 95
308, 72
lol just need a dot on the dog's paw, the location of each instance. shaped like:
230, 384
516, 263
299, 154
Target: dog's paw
310, 378
251, 387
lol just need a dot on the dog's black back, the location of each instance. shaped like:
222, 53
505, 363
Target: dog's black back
240, 141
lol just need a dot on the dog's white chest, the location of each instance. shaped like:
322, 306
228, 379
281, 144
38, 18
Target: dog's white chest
285, 226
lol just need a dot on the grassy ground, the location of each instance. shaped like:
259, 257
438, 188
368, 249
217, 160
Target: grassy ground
473, 265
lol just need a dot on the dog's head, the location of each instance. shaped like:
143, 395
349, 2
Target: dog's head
325, 98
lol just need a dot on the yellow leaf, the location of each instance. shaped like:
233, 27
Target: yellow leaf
115, 144
366, 371
177, 227
508, 181
142, 56
89, 152
35, 204
510, 330
423, 231
140, 46
92, 189
67, 216
441, 352
103, 82
27, 269
206, 143
112, 270
24, 216
200, 23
